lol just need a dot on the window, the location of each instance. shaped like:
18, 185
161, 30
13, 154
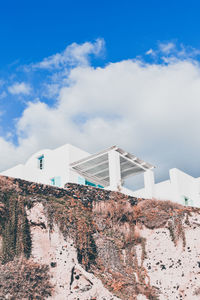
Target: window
186, 200
93, 184
90, 183
56, 181
81, 180
100, 186
52, 181
41, 162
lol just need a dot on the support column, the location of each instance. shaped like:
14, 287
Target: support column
114, 170
149, 183
174, 180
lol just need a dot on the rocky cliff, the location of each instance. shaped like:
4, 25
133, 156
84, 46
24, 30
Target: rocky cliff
86, 243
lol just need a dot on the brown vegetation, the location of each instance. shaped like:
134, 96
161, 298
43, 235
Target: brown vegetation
105, 230
118, 221
14, 228
75, 220
24, 279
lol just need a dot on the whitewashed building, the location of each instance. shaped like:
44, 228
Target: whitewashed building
107, 169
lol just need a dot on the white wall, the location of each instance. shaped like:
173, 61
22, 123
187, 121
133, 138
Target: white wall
163, 190
56, 164
179, 186
74, 155
185, 185
16, 171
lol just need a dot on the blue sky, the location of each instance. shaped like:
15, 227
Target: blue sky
31, 30
96, 73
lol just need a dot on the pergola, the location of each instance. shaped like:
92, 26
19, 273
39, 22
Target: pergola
110, 167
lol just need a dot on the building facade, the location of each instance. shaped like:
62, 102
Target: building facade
180, 187
107, 169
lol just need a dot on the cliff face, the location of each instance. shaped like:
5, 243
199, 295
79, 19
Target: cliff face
87, 243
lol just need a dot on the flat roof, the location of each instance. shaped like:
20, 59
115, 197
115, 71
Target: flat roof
95, 167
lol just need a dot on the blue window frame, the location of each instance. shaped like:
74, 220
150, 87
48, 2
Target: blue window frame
82, 180
52, 181
93, 184
186, 200
41, 162
90, 183
56, 181
100, 186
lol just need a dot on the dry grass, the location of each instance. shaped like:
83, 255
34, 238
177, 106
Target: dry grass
155, 214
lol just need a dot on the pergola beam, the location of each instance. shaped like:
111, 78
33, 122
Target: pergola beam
111, 161
95, 166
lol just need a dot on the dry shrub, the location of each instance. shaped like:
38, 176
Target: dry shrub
155, 213
176, 230
116, 210
24, 279
152, 213
7, 184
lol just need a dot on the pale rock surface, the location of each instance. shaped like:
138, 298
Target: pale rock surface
71, 281
141, 297
174, 270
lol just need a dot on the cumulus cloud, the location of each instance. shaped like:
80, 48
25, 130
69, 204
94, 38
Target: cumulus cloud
149, 109
19, 88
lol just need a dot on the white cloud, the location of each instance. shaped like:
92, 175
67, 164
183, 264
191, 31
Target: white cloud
166, 48
150, 52
171, 52
151, 110
19, 88
74, 54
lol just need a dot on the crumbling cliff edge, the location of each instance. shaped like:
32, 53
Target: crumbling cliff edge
86, 243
